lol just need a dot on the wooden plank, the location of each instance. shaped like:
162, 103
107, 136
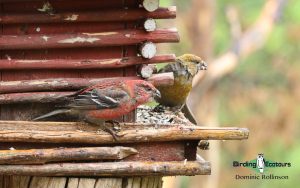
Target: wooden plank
20, 181
38, 97
109, 182
55, 182
72, 182
59, 5
114, 169
119, 15
67, 84
53, 133
86, 182
41, 156
40, 182
17, 64
114, 38
47, 182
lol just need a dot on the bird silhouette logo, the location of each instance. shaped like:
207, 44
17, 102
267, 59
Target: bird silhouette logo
260, 162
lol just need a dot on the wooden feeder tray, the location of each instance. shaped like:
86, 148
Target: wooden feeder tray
142, 149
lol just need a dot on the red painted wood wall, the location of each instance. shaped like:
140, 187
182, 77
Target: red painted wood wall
25, 112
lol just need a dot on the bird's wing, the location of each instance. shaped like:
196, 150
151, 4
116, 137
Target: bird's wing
178, 68
98, 99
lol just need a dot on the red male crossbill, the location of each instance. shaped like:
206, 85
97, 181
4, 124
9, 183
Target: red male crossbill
184, 69
107, 101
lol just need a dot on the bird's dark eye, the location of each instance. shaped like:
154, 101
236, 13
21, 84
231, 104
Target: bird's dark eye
148, 88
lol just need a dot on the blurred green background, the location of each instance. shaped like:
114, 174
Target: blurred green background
262, 93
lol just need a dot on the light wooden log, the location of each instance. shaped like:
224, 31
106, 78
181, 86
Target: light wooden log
150, 25
148, 50
22, 64
151, 5
42, 156
146, 71
88, 16
102, 39
114, 169
66, 132
69, 84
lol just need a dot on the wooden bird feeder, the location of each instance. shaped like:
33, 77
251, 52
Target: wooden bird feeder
50, 49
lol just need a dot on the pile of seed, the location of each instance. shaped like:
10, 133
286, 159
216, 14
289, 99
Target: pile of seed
146, 114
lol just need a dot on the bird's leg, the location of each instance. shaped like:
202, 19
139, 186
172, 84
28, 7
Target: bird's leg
115, 124
177, 109
103, 127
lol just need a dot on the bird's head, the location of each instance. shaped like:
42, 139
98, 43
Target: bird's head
192, 63
143, 91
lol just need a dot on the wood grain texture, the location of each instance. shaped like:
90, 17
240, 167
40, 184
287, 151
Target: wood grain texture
109, 182
101, 39
19, 64
47, 182
72, 182
89, 16
41, 156
19, 181
69, 84
86, 182
52, 132
152, 151
34, 97
115, 169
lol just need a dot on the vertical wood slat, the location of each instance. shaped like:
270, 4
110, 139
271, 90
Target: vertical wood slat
108, 182
86, 182
72, 182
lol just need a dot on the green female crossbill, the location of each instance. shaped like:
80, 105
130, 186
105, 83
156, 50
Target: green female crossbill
184, 69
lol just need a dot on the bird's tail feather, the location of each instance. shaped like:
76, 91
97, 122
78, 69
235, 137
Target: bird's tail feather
53, 113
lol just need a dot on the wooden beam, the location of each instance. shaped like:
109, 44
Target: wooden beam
22, 64
162, 79
35, 97
66, 132
69, 84
114, 169
119, 15
41, 156
102, 39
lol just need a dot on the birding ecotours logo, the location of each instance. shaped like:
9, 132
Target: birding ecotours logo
261, 164
262, 167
